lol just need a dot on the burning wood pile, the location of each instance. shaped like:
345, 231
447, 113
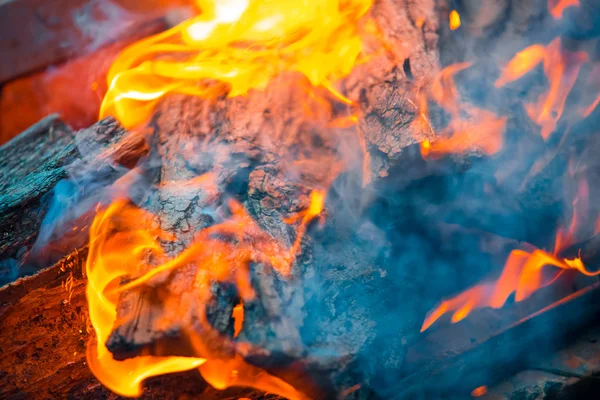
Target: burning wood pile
316, 199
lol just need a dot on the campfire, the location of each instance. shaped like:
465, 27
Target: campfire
307, 199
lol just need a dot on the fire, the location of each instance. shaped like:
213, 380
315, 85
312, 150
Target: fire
238, 317
561, 68
106, 264
124, 246
479, 391
557, 7
523, 272
228, 49
522, 275
470, 127
454, 20
234, 46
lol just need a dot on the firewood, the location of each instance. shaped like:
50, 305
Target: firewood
499, 352
38, 154
36, 34
189, 136
80, 82
45, 329
37, 160
244, 141
325, 328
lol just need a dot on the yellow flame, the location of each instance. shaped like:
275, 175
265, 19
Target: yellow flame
233, 46
454, 20
123, 240
104, 266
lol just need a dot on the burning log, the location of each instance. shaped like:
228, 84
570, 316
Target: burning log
241, 145
526, 341
214, 252
45, 329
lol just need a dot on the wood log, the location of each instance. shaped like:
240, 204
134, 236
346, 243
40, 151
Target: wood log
514, 347
37, 34
44, 165
80, 82
328, 318
246, 142
277, 321
45, 329
35, 162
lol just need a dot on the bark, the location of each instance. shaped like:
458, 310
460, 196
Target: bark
35, 162
332, 304
45, 329
349, 311
38, 154
256, 148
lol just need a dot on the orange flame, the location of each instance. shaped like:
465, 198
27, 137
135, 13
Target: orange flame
124, 246
479, 391
557, 7
522, 273
106, 265
238, 318
591, 107
234, 46
470, 127
561, 68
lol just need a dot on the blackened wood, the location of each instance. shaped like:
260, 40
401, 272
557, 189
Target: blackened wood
570, 373
32, 164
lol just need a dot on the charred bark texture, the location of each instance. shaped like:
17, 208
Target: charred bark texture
32, 164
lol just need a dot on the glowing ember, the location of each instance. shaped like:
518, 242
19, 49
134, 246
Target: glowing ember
454, 20
234, 46
557, 7
560, 66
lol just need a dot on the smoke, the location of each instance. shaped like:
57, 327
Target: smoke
443, 226
388, 252
92, 181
